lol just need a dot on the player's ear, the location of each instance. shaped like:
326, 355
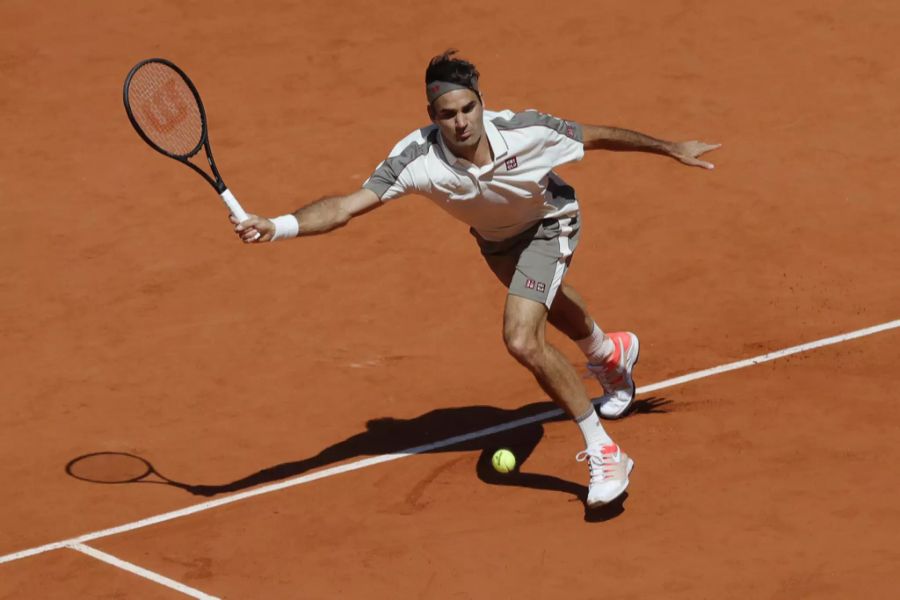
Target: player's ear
430, 110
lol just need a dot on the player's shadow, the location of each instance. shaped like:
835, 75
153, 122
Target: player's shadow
471, 428
441, 430
422, 434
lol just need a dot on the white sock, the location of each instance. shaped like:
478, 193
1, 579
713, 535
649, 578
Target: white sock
592, 430
597, 346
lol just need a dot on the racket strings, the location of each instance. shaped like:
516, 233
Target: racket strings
166, 109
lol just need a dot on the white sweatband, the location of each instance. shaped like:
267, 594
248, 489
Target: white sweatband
286, 226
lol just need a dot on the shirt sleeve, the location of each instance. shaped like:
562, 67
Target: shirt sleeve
559, 140
393, 177
563, 140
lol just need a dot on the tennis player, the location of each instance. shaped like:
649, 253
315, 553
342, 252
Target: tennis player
494, 171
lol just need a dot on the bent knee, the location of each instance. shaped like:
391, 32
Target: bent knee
523, 345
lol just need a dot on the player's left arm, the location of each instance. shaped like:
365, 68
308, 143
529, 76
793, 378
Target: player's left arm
600, 137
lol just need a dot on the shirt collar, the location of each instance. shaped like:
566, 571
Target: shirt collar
498, 145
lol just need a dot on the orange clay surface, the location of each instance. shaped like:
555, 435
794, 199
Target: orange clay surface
133, 320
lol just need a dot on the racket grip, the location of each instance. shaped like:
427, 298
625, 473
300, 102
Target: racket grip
233, 205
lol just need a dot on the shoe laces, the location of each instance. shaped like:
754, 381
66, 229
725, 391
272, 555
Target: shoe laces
601, 461
608, 374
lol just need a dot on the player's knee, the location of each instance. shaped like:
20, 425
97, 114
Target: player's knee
523, 345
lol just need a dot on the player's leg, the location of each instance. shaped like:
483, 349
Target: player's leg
532, 266
524, 325
524, 328
611, 357
569, 314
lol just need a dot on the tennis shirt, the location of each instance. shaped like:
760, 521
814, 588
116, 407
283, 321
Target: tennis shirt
501, 199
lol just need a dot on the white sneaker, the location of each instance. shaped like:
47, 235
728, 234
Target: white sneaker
615, 375
609, 468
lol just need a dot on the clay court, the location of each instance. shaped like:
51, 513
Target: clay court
277, 386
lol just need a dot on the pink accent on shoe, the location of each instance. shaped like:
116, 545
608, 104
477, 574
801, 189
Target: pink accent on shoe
618, 347
609, 469
615, 375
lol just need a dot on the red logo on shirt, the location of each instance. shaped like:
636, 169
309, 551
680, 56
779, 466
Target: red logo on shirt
529, 283
511, 164
570, 131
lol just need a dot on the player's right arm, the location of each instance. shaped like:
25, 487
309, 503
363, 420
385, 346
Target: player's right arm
321, 216
391, 179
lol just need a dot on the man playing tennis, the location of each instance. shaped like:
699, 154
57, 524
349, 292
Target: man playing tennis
494, 172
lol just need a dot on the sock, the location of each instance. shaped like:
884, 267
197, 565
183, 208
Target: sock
597, 346
592, 430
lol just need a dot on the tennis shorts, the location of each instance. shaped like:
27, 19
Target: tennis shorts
532, 264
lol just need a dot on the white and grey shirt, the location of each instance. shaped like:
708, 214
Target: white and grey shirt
499, 200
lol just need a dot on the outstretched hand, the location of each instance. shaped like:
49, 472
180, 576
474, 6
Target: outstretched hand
254, 230
688, 153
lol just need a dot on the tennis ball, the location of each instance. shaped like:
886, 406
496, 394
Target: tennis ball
503, 460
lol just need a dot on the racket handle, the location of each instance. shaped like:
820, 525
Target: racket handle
233, 205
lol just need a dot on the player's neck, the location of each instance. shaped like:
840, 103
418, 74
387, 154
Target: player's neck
479, 155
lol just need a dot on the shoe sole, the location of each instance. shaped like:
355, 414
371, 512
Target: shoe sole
628, 471
624, 411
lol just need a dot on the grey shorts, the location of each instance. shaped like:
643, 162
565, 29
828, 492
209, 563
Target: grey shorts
532, 263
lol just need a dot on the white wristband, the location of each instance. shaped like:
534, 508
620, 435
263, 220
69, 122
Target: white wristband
286, 226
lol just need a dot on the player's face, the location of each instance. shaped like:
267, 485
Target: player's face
458, 114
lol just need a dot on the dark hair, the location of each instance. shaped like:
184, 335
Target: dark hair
444, 67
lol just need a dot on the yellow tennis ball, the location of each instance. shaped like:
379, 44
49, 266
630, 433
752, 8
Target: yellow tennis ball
503, 460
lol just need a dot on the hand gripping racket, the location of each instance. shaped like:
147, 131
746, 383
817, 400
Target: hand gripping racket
166, 111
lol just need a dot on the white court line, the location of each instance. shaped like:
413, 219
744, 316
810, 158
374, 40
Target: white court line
749, 362
375, 460
141, 572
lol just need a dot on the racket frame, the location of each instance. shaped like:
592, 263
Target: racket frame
218, 184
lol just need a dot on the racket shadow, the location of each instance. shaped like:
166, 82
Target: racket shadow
388, 435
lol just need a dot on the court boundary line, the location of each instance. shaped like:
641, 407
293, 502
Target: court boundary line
141, 571
383, 458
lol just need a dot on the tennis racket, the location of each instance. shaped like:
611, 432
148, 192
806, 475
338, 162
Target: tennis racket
165, 109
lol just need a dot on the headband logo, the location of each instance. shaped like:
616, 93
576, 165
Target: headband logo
436, 89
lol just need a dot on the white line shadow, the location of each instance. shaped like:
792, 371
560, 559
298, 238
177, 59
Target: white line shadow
375, 460
141, 572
